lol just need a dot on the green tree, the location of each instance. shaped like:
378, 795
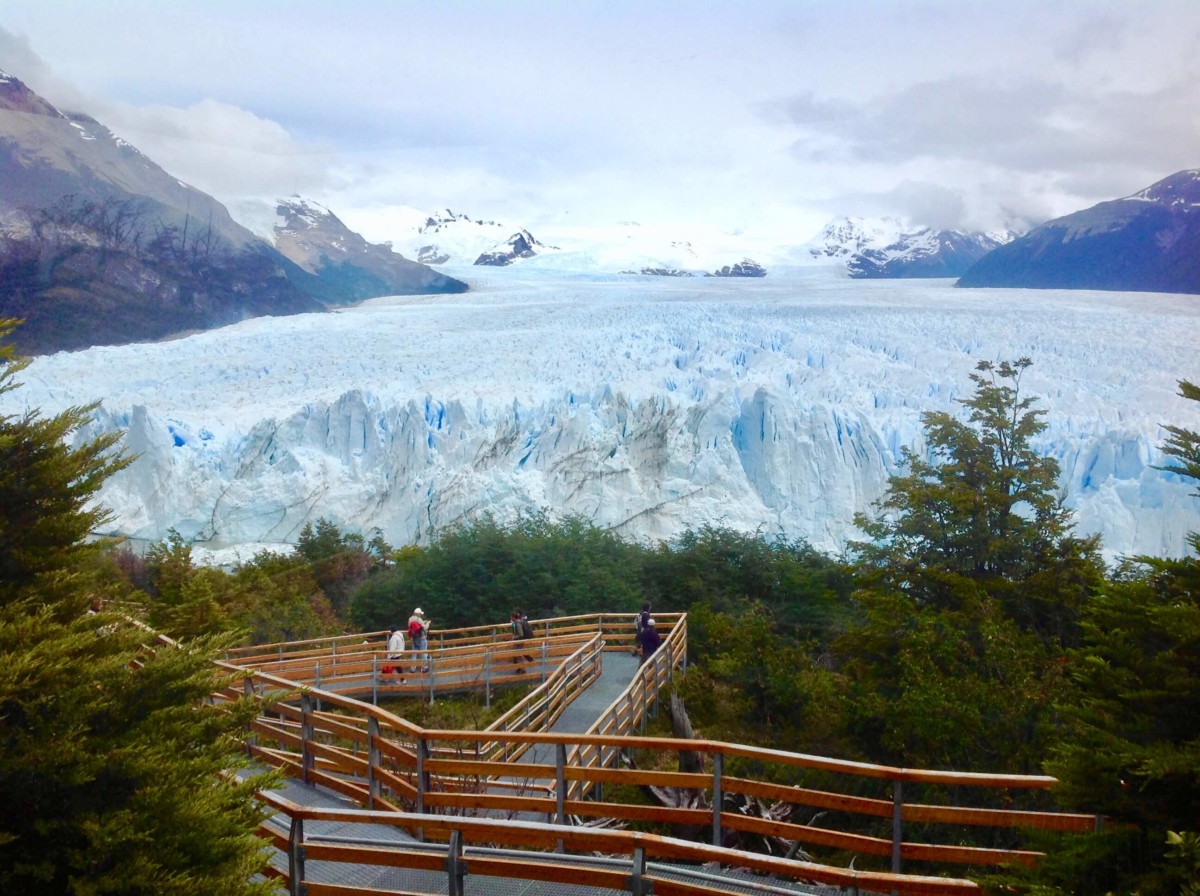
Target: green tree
109, 756
751, 683
480, 571
984, 510
1133, 745
340, 561
972, 583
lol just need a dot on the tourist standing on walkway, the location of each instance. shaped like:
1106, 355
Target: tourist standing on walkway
639, 623
521, 631
395, 651
418, 633
649, 639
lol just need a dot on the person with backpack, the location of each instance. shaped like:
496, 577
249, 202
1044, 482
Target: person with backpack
639, 623
521, 631
649, 638
418, 633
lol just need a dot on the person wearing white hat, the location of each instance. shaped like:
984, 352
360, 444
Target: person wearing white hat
418, 633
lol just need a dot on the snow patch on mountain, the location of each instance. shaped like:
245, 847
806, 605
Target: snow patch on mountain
890, 247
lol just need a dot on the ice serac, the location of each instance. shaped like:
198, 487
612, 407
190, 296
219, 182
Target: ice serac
644, 405
646, 469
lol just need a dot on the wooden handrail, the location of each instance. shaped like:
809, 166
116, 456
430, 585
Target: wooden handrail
451, 772
527, 835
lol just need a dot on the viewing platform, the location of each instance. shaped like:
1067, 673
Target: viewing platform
545, 799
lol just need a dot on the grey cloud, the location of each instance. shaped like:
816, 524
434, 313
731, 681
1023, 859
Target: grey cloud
1097, 34
19, 60
1026, 126
932, 204
1101, 142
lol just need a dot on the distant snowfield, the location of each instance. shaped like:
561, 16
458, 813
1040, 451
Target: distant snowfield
644, 404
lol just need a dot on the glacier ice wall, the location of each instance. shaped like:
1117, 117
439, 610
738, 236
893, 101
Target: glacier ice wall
646, 406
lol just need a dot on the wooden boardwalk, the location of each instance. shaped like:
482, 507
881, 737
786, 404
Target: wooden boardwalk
379, 805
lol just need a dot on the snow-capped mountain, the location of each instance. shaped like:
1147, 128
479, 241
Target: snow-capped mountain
99, 245
888, 247
1149, 241
747, 267
517, 247
644, 404
448, 237
348, 267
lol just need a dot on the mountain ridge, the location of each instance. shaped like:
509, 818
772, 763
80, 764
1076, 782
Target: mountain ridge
1148, 241
890, 248
99, 245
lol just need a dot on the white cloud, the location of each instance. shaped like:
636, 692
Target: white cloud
978, 114
222, 149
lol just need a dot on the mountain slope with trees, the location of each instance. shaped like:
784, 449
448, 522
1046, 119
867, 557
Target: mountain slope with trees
101, 246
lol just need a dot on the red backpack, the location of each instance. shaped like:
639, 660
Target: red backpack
415, 629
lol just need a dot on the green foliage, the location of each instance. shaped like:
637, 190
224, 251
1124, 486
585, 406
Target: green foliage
749, 682
480, 571
269, 598
805, 592
46, 520
972, 584
1133, 750
109, 756
983, 512
340, 561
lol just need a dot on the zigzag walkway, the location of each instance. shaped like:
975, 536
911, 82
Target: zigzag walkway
374, 804
618, 672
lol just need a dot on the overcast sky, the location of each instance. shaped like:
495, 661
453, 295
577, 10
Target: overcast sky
771, 118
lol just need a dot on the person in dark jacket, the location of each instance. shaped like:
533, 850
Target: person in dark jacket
521, 631
649, 639
639, 623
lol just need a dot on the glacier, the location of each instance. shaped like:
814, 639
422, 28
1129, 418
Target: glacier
644, 404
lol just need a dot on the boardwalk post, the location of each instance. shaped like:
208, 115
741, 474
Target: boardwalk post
432, 676
456, 869
638, 886
422, 780
307, 760
375, 679
545, 652
897, 813
374, 789
487, 678
718, 797
296, 885
560, 783
317, 683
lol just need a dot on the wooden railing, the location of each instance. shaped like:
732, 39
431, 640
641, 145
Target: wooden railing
429, 781
521, 850
478, 659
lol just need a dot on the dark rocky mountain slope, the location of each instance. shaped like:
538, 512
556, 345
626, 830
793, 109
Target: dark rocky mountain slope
347, 266
101, 246
1147, 242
